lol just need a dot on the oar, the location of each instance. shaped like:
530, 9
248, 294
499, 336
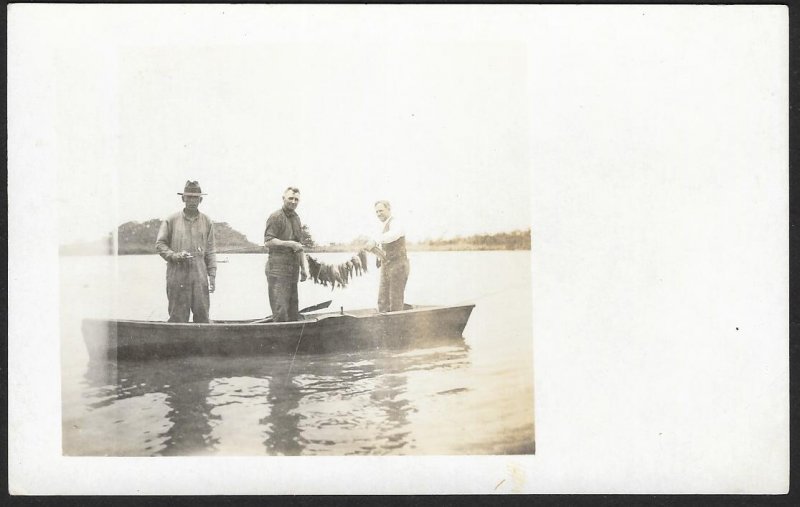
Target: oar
318, 306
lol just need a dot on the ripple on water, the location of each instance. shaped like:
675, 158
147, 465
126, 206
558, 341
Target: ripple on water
451, 399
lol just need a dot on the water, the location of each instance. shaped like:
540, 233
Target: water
475, 398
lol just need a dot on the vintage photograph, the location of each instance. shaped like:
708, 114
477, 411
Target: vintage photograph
398, 249
297, 248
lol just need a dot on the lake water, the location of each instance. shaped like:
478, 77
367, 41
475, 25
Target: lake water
475, 398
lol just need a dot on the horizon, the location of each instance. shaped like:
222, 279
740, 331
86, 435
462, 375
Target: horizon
311, 230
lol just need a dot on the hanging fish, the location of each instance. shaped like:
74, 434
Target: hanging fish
323, 275
313, 268
336, 277
342, 268
356, 261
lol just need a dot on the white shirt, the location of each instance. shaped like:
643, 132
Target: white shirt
395, 232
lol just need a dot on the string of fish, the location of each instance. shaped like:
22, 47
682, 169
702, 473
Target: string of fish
337, 275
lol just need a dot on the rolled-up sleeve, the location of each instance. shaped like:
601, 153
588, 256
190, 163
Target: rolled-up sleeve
395, 232
275, 227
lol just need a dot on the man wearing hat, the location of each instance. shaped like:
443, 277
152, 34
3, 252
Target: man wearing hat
186, 241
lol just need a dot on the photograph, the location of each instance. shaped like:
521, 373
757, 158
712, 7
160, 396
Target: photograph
398, 249
295, 249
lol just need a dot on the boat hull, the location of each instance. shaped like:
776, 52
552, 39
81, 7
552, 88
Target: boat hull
332, 332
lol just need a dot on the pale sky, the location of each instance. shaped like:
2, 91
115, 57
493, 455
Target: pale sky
440, 127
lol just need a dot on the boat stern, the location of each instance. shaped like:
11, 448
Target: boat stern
100, 337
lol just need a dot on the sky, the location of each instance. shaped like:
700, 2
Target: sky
439, 127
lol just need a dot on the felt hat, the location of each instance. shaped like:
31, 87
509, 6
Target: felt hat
191, 188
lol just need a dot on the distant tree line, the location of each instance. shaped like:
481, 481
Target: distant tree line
515, 240
140, 238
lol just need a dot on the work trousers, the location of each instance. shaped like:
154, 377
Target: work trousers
185, 296
394, 275
283, 298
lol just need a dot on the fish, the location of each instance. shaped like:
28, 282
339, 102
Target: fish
356, 264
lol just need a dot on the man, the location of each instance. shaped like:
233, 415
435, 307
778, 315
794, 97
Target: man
186, 241
286, 260
390, 248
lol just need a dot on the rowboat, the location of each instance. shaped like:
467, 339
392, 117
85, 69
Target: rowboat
352, 330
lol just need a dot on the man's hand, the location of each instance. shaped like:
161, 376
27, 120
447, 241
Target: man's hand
180, 256
296, 246
303, 276
212, 283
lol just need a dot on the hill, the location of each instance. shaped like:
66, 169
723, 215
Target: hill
140, 238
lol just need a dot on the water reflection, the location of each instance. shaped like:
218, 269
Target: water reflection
331, 404
360, 408
281, 426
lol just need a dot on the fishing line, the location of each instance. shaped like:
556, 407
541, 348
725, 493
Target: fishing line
303, 328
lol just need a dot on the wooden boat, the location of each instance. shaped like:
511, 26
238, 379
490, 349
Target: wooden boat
351, 330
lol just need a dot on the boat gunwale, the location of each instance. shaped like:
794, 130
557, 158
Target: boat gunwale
312, 318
